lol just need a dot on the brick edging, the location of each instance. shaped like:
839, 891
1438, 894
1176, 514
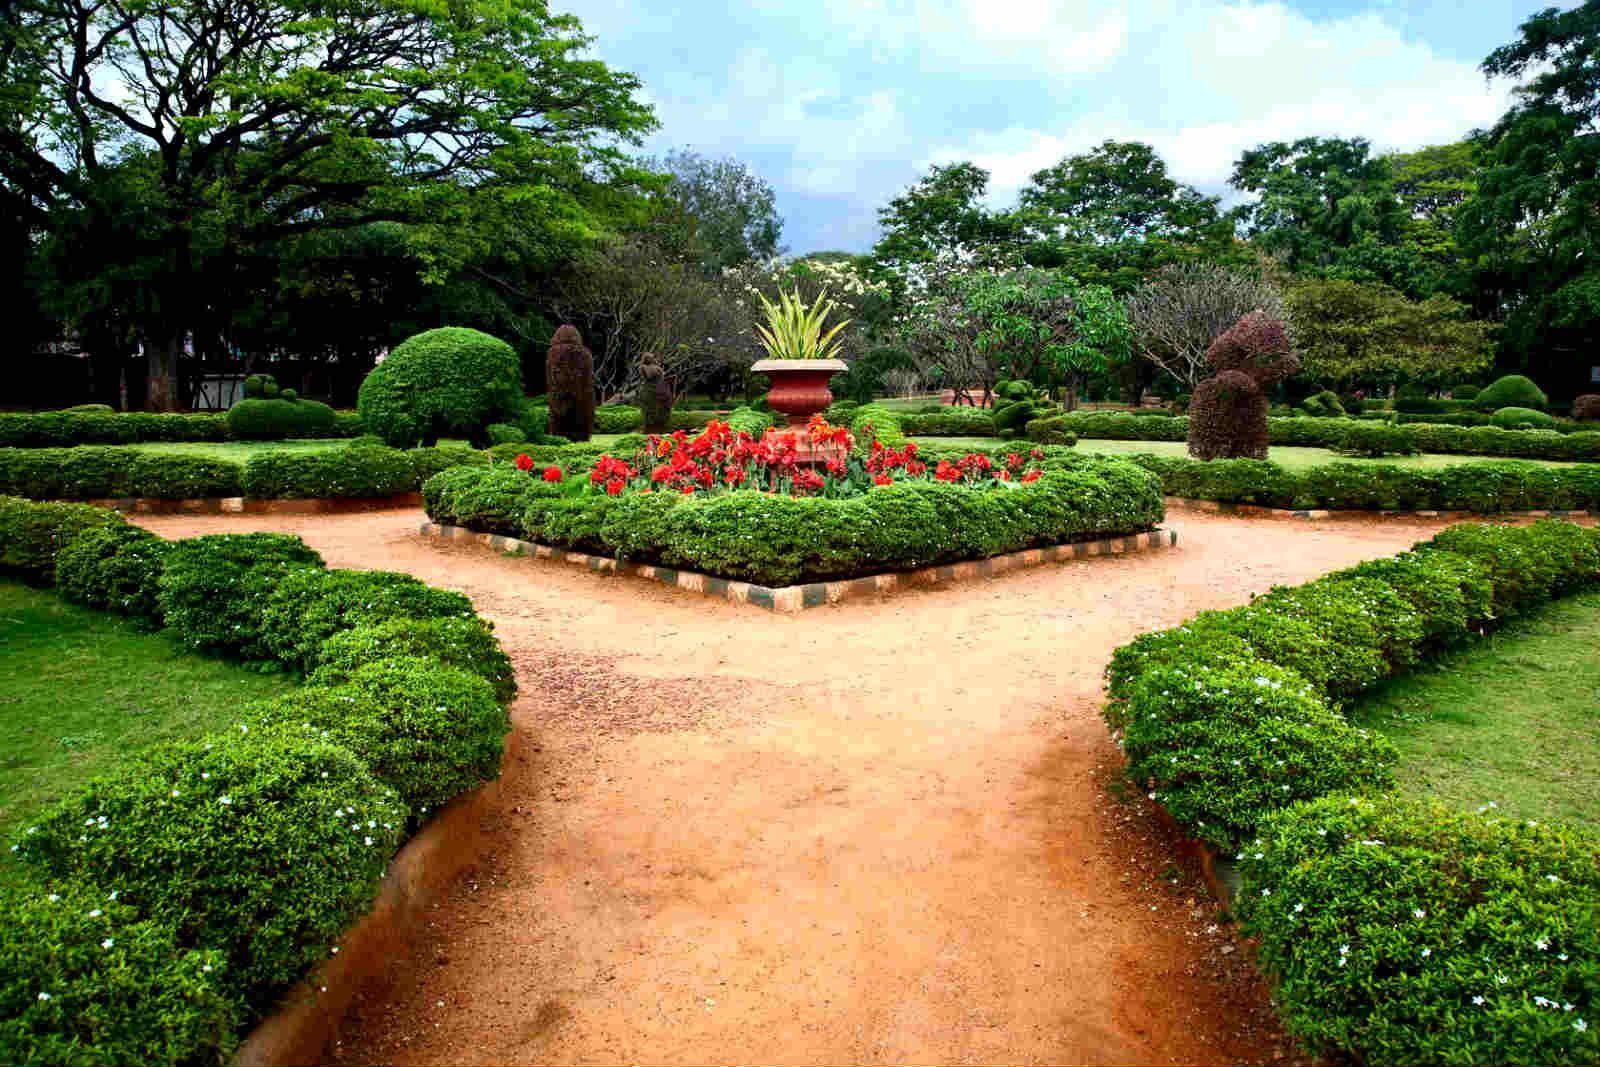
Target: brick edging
238, 505
790, 599
1264, 512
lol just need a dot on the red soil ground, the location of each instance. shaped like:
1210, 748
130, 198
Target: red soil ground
884, 831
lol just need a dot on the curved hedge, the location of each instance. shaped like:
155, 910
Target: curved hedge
779, 540
267, 420
1379, 918
446, 382
1511, 391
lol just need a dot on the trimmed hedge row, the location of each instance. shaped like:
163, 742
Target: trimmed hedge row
165, 905
1380, 918
950, 421
1338, 434
627, 418
63, 429
1486, 488
778, 540
95, 473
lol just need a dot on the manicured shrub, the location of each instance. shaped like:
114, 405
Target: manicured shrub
33, 534
446, 382
569, 386
114, 568
467, 644
1361, 612
1523, 419
426, 462
1228, 416
262, 846
504, 433
355, 471
1375, 439
1452, 594
1586, 408
307, 605
1464, 392
85, 981
262, 420
1513, 390
260, 387
496, 498
747, 420
58, 429
213, 589
616, 418
1325, 404
952, 421
1402, 932
1221, 746
427, 731
873, 421
1051, 431
1526, 565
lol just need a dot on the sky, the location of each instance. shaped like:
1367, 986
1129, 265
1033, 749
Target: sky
842, 104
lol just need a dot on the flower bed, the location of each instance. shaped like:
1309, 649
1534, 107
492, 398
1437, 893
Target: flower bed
1233, 723
164, 906
730, 505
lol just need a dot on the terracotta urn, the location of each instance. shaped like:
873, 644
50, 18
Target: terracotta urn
800, 390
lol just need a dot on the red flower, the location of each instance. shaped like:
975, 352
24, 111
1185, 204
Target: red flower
686, 490
613, 487
944, 472
524, 462
733, 475
1014, 461
552, 473
836, 468
1032, 476
882, 479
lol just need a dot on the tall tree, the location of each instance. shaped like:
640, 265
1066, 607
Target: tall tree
1113, 215
1178, 313
729, 212
260, 120
1432, 184
942, 216
1367, 333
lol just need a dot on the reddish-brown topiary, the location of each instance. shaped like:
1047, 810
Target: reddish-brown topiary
569, 382
655, 394
1228, 415
1586, 407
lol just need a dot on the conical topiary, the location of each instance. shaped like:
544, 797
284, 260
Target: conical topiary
569, 383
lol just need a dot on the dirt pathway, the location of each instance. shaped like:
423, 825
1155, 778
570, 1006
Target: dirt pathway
877, 832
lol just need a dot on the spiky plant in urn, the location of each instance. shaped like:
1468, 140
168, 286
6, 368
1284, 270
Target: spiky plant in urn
802, 354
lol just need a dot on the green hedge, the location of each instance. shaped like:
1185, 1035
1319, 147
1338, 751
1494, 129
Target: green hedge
779, 540
350, 472
31, 535
114, 568
450, 382
213, 589
307, 605
1512, 391
618, 418
274, 420
950, 421
1233, 723
64, 429
468, 644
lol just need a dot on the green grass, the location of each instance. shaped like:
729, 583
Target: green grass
1514, 719
1289, 456
238, 450
81, 689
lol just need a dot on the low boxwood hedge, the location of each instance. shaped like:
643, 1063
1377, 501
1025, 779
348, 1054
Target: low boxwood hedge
213, 589
778, 540
114, 568
306, 605
1384, 921
950, 421
356, 471
280, 418
468, 644
102, 426
31, 534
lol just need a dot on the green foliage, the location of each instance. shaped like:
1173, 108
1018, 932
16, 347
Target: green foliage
32, 535
953, 421
1523, 419
427, 731
114, 568
618, 418
447, 382
467, 644
794, 329
1400, 932
1526, 565
1348, 331
307, 605
730, 213
84, 980
59, 429
1514, 390
1044, 322
871, 422
1373, 439
356, 471
260, 846
213, 589
267, 420
504, 433
1464, 393
747, 420
1325, 404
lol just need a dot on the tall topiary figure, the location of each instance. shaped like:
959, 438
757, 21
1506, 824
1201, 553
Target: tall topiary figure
448, 382
1228, 416
569, 381
655, 394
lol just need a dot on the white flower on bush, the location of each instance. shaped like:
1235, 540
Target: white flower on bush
107, 943
1419, 913
46, 996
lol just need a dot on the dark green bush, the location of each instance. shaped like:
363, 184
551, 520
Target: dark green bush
1223, 745
1375, 439
267, 420
1526, 565
1403, 932
93, 473
260, 845
504, 433
426, 462
355, 471
1452, 594
114, 568
871, 421
85, 981
213, 589
1356, 612
427, 731
1464, 392
61, 429
307, 605
1051, 431
1512, 391
1514, 418
31, 534
747, 420
952, 421
468, 644
618, 418
496, 498
446, 382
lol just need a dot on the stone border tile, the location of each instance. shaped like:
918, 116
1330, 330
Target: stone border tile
792, 599
1261, 511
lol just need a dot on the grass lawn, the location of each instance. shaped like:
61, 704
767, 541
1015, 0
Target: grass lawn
81, 689
1289, 456
238, 450
1514, 719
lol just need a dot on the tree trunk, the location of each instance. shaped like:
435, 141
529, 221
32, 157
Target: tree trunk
161, 394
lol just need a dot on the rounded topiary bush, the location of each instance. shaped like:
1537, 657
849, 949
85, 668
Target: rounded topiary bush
1522, 419
447, 382
1512, 391
278, 418
428, 731
1464, 392
468, 644
84, 980
213, 589
1401, 932
114, 568
261, 845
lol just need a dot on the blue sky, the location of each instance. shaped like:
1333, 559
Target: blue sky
841, 104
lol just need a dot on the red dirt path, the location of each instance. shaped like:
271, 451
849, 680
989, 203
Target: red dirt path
883, 831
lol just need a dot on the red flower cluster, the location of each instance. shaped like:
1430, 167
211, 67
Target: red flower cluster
884, 460
524, 462
822, 433
552, 473
613, 473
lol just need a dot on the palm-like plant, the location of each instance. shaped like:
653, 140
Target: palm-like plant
794, 330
